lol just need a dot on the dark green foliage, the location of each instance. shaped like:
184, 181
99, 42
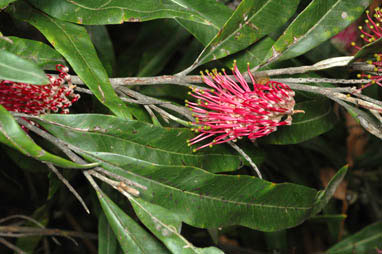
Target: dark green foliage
205, 202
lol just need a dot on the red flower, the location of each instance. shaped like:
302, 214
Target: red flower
39, 99
232, 110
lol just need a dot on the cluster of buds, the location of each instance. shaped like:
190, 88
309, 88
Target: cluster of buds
231, 110
57, 96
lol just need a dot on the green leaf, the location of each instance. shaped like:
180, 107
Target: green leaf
254, 55
170, 37
363, 242
250, 21
145, 143
197, 196
4, 3
103, 45
325, 195
73, 42
107, 242
104, 12
15, 68
12, 135
317, 119
34, 51
166, 227
131, 236
318, 22
192, 194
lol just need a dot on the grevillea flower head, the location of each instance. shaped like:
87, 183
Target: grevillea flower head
232, 109
55, 97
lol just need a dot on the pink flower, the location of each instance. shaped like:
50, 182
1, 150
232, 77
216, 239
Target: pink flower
232, 110
373, 30
39, 99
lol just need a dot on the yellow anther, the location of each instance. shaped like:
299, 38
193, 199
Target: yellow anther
360, 27
359, 75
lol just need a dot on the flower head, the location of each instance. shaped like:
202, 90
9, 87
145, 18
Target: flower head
56, 96
231, 109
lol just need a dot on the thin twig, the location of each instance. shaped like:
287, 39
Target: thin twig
12, 246
68, 185
16, 231
57, 142
242, 153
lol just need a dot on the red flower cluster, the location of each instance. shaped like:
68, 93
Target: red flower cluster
233, 110
56, 96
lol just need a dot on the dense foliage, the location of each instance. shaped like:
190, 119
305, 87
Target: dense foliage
101, 156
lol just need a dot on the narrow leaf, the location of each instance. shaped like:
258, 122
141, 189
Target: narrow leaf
35, 51
165, 226
250, 21
15, 68
365, 241
107, 242
324, 196
131, 236
116, 12
146, 143
73, 42
319, 21
12, 135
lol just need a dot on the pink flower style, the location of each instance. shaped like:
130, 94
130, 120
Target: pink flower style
369, 34
55, 97
232, 110
374, 30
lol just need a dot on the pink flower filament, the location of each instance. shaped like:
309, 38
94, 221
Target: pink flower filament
231, 110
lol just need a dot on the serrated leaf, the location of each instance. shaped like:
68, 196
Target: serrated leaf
317, 119
131, 236
12, 135
15, 68
104, 12
319, 21
145, 143
363, 242
250, 21
73, 42
107, 242
34, 51
165, 226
